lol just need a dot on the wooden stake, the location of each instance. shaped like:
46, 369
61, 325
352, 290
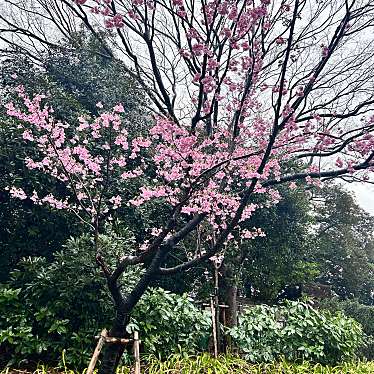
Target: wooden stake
97, 351
216, 306
224, 335
214, 327
137, 352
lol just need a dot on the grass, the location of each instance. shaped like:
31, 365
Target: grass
178, 364
205, 364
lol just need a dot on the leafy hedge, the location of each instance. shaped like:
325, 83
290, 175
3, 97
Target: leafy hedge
50, 307
296, 331
364, 314
170, 323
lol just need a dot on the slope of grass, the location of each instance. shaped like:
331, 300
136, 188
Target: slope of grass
205, 364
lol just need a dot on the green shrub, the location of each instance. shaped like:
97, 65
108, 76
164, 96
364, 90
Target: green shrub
169, 323
50, 307
296, 331
364, 314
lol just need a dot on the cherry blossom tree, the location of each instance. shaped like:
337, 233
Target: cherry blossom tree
240, 91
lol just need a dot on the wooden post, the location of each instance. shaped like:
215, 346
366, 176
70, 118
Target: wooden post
97, 351
214, 327
216, 306
224, 340
222, 310
104, 338
136, 352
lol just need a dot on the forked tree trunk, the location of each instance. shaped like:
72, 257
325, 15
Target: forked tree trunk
124, 306
112, 353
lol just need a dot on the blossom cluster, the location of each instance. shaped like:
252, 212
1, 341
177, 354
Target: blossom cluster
96, 160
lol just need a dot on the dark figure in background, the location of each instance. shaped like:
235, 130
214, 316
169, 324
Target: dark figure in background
289, 292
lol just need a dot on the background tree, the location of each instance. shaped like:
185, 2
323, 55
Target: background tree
284, 257
344, 245
75, 75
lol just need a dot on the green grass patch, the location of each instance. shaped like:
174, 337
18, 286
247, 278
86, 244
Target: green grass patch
225, 364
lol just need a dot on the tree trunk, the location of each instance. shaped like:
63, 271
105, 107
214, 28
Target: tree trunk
124, 306
229, 291
231, 298
111, 358
112, 353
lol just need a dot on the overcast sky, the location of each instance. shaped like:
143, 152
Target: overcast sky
365, 195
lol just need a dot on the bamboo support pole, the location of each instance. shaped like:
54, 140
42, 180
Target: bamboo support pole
110, 339
214, 327
97, 351
137, 352
221, 305
104, 338
216, 307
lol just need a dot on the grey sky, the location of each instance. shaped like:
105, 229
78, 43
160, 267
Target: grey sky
365, 195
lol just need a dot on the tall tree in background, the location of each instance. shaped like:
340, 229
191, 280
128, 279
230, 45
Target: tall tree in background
284, 257
75, 75
344, 245
281, 256
239, 89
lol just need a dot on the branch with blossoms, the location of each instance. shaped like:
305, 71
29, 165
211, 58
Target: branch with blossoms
228, 50
88, 158
95, 160
206, 179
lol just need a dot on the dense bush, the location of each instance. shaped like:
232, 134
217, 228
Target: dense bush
169, 323
296, 331
48, 307
364, 314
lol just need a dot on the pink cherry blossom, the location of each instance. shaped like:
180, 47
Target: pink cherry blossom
18, 193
